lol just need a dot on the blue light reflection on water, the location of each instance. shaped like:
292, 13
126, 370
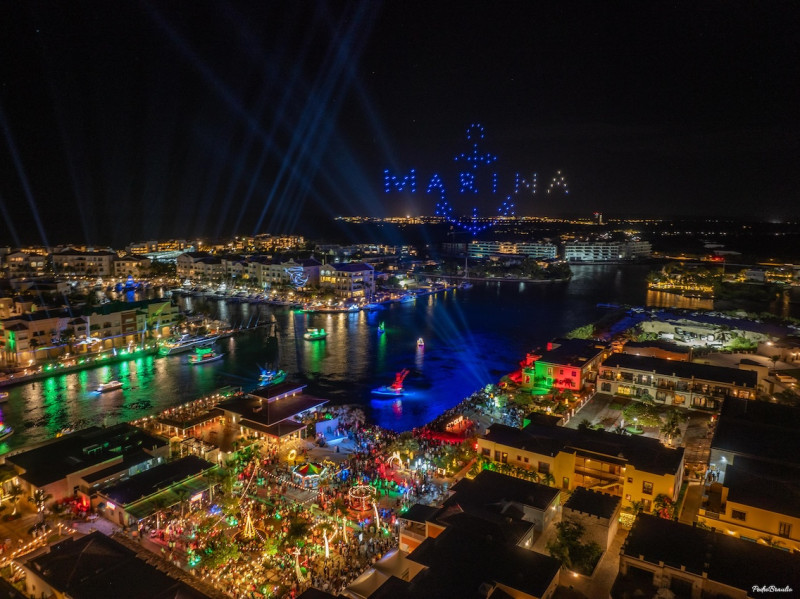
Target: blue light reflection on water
472, 337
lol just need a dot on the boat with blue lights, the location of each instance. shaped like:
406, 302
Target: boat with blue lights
407, 299
271, 377
381, 328
315, 334
108, 387
421, 343
204, 355
5, 431
396, 388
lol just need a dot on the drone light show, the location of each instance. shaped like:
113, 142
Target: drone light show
476, 177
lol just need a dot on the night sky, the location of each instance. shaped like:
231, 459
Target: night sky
128, 120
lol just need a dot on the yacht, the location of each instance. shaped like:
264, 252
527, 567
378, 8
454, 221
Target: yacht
314, 334
184, 343
5, 431
204, 355
3, 396
271, 377
109, 386
396, 388
421, 343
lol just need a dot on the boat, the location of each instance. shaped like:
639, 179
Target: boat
420, 342
381, 328
375, 307
108, 387
5, 431
204, 355
3, 397
271, 377
184, 343
314, 334
396, 388
466, 285
407, 299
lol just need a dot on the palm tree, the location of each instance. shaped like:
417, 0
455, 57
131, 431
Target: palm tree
182, 495
637, 506
39, 499
548, 479
664, 506
14, 494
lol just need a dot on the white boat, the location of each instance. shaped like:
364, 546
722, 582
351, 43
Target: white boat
204, 355
184, 343
407, 299
466, 285
314, 334
109, 386
421, 342
3, 397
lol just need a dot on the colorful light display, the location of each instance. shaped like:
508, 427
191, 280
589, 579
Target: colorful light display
470, 183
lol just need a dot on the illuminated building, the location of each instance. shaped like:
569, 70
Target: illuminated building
89, 263
695, 563
483, 249
348, 280
136, 266
634, 468
605, 251
25, 263
672, 382
564, 364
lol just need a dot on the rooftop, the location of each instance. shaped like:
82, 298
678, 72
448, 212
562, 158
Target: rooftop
491, 487
156, 479
644, 453
759, 429
593, 502
657, 344
94, 566
52, 462
268, 413
771, 487
571, 352
685, 370
735, 562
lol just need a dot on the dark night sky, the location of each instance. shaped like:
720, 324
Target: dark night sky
124, 121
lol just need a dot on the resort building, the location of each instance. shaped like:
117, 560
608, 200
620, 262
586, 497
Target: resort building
64, 466
97, 566
634, 468
135, 266
754, 481
25, 264
89, 263
131, 500
348, 280
696, 563
671, 382
569, 364
605, 251
199, 266
272, 413
487, 249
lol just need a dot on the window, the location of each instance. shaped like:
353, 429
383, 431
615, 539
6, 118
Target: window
544, 467
627, 497
647, 488
574, 373
486, 451
519, 458
526, 460
504, 458
784, 529
737, 515
630, 479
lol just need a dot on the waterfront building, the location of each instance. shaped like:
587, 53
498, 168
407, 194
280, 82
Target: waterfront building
60, 467
487, 249
199, 266
632, 467
98, 263
605, 251
270, 413
97, 566
563, 364
131, 265
183, 481
696, 563
25, 264
348, 280
684, 384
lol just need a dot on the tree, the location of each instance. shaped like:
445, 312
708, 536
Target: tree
548, 479
182, 494
664, 506
569, 549
584, 332
14, 493
774, 359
